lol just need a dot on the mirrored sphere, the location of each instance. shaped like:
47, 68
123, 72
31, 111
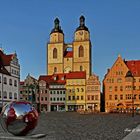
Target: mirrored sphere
19, 118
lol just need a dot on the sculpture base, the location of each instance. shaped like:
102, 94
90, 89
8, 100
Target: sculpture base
31, 137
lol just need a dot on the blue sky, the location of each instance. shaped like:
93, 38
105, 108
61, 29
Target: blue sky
114, 26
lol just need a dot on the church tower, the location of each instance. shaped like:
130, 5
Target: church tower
82, 49
55, 49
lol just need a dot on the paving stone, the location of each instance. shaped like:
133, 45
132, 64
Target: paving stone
74, 126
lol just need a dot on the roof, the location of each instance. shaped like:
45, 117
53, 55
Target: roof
6, 58
134, 67
2, 68
68, 54
53, 79
22, 83
60, 78
76, 75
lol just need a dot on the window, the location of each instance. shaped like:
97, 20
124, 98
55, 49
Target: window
63, 92
61, 99
60, 92
81, 68
5, 80
55, 69
81, 51
116, 88
96, 97
15, 95
57, 92
73, 97
54, 99
82, 90
64, 98
69, 97
0, 94
45, 98
10, 81
139, 97
57, 99
77, 97
15, 83
54, 53
77, 89
10, 95
0, 79
116, 97
121, 88
51, 99
88, 97
119, 80
110, 97
110, 88
134, 87
121, 97
92, 97
41, 98
5, 95
82, 98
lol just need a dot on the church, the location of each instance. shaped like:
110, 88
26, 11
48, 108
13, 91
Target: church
71, 57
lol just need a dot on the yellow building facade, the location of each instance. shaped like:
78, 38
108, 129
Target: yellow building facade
76, 91
75, 56
121, 86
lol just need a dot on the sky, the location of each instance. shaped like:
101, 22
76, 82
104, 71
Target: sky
114, 27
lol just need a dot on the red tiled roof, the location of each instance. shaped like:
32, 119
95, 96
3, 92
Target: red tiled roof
6, 58
50, 79
134, 67
68, 54
2, 68
22, 83
61, 77
76, 75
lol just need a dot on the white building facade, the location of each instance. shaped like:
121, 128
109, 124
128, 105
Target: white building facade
9, 78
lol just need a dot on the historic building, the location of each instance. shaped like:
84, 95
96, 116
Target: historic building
73, 60
93, 93
76, 91
121, 86
51, 95
9, 77
28, 89
75, 56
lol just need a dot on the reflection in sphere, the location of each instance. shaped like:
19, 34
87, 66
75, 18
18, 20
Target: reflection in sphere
19, 118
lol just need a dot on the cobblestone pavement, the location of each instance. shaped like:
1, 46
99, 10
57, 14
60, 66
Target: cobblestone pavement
74, 126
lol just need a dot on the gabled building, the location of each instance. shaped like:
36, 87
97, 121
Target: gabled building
28, 89
51, 95
121, 86
76, 91
93, 93
9, 77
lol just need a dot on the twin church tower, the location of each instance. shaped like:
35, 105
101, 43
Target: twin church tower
65, 58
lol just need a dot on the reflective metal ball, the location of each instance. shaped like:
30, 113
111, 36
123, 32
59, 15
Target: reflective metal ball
19, 118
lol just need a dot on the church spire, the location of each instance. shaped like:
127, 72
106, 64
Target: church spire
57, 27
82, 24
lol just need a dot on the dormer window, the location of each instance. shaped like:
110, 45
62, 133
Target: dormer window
55, 78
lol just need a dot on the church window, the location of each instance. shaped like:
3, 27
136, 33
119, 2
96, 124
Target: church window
81, 68
55, 69
81, 51
54, 53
